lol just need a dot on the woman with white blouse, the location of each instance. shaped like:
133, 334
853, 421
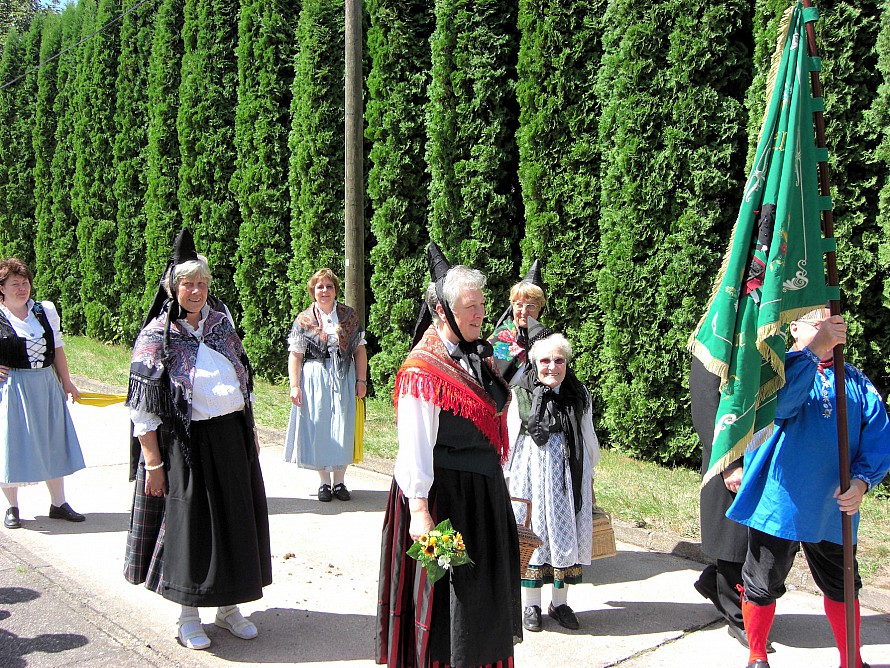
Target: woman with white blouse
37, 438
199, 530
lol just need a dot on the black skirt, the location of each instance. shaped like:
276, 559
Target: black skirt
213, 545
473, 615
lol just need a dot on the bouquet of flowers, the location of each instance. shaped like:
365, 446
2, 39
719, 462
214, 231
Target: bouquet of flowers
440, 549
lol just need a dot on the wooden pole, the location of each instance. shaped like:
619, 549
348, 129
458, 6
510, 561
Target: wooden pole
839, 376
354, 168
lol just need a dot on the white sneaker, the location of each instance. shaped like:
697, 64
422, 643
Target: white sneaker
191, 633
234, 622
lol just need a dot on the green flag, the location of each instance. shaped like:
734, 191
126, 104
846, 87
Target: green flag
773, 271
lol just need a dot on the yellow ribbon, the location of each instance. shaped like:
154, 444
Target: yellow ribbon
100, 399
358, 453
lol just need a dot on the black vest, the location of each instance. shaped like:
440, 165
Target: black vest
14, 349
460, 446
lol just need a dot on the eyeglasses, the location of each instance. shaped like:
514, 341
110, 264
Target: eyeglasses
530, 307
555, 361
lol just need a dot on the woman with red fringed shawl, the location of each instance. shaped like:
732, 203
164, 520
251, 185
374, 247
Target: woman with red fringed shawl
451, 409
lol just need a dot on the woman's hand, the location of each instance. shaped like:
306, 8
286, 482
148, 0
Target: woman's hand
850, 500
156, 482
361, 388
4, 373
296, 396
71, 390
421, 523
733, 479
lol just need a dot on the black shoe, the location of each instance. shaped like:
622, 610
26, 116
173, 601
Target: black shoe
564, 616
65, 512
740, 635
341, 492
324, 493
760, 663
12, 519
710, 594
531, 618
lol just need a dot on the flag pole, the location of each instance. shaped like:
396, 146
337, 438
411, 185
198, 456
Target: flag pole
839, 375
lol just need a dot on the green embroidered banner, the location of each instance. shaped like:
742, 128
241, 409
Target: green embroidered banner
773, 271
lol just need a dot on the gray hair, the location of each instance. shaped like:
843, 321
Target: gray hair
555, 342
189, 269
458, 278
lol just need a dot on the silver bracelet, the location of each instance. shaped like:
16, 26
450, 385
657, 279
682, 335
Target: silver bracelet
155, 467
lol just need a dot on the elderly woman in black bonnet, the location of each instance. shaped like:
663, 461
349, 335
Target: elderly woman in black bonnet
199, 530
555, 450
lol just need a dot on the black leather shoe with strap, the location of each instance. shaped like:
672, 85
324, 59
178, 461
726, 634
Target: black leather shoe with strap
324, 493
11, 521
531, 618
341, 492
65, 512
564, 616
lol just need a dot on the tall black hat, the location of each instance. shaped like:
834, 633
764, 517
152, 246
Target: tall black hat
183, 251
438, 265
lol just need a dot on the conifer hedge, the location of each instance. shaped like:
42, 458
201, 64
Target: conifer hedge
316, 146
162, 217
398, 48
475, 201
208, 96
671, 182
262, 123
93, 200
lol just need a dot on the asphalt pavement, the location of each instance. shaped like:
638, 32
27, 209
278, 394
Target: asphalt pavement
64, 601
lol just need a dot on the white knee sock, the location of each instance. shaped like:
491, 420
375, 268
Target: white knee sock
559, 596
531, 596
188, 612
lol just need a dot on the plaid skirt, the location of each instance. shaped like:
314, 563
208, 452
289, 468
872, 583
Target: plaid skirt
207, 542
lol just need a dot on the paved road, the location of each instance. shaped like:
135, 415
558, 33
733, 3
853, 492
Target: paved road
64, 602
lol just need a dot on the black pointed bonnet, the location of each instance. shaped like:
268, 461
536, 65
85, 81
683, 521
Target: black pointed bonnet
438, 265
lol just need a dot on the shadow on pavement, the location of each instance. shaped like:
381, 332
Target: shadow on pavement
363, 500
794, 630
630, 565
297, 636
14, 648
94, 523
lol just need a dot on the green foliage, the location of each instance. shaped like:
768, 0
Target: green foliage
559, 163
398, 39
670, 189
316, 145
17, 108
131, 157
93, 200
206, 124
16, 14
879, 119
44, 140
64, 255
262, 123
162, 217
475, 203
848, 34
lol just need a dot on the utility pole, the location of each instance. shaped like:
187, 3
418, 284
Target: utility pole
355, 191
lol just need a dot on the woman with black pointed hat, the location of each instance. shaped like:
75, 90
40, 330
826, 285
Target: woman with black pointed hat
554, 450
450, 404
199, 529
511, 340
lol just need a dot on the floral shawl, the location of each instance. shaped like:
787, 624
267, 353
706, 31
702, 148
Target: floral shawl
430, 373
318, 345
162, 384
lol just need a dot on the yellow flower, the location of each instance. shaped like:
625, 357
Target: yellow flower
424, 539
433, 540
429, 550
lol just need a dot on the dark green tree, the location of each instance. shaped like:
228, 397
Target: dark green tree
316, 145
475, 203
93, 200
559, 163
44, 141
18, 14
848, 36
673, 143
260, 182
162, 216
17, 109
64, 254
206, 123
398, 184
131, 159
880, 123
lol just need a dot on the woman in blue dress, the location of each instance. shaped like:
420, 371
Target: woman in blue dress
37, 438
328, 371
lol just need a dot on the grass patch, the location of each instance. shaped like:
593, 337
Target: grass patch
637, 492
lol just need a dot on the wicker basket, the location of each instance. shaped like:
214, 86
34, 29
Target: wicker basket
603, 535
528, 541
